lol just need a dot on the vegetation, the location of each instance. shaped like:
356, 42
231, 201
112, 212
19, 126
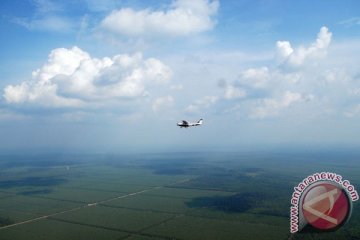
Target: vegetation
162, 196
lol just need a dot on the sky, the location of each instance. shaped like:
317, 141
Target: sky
117, 75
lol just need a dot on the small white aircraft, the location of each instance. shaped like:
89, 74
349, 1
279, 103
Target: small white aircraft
187, 124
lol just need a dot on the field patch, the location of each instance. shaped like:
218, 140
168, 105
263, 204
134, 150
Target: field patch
118, 187
193, 228
151, 203
8, 217
50, 229
80, 195
37, 206
174, 192
121, 219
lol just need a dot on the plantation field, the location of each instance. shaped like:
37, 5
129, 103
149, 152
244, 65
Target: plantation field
162, 196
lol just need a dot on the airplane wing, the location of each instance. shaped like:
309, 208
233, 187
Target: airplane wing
185, 122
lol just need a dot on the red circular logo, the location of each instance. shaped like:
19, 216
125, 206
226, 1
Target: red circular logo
326, 206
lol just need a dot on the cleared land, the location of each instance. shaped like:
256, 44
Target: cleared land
165, 196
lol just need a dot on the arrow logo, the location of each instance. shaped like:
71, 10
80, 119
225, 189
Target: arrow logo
330, 195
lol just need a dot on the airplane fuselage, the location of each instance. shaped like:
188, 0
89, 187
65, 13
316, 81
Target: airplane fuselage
186, 124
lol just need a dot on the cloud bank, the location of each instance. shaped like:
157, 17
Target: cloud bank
72, 78
272, 107
267, 91
182, 18
201, 104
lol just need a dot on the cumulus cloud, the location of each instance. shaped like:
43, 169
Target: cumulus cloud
268, 90
231, 91
182, 18
265, 77
255, 82
162, 102
203, 103
336, 75
271, 107
321, 83
255, 77
72, 78
296, 57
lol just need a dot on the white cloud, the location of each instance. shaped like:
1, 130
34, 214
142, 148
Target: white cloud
336, 75
296, 57
268, 90
205, 102
45, 95
265, 78
272, 107
255, 77
162, 102
48, 16
184, 17
46, 6
351, 21
72, 78
284, 49
47, 23
232, 92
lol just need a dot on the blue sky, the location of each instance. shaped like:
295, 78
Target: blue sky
116, 76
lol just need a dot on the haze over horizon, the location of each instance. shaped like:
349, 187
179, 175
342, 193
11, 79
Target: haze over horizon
118, 75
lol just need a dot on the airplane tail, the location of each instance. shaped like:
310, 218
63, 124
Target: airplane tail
200, 121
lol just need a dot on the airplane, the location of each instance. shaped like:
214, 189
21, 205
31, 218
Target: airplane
187, 124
